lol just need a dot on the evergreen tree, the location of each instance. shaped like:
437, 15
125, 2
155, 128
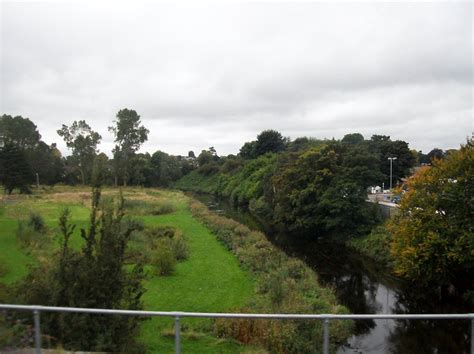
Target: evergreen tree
15, 171
93, 277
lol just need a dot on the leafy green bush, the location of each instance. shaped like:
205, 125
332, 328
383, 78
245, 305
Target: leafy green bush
179, 247
163, 258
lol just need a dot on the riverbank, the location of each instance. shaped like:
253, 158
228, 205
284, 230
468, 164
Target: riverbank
375, 246
365, 286
284, 285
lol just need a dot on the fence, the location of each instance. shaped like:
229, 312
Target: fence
178, 315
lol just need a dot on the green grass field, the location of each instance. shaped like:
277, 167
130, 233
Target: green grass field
210, 280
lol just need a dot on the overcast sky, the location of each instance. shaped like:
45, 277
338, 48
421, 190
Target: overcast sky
217, 75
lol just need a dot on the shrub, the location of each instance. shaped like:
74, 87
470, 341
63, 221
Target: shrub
155, 232
36, 222
27, 236
163, 259
179, 247
144, 207
162, 208
209, 169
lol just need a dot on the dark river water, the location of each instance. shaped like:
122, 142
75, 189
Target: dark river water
365, 287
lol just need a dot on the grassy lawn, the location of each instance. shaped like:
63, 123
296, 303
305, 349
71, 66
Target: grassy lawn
210, 280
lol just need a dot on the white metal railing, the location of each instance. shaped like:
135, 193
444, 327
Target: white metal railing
178, 315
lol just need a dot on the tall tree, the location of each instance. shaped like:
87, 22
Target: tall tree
19, 132
433, 240
129, 134
82, 141
269, 141
19, 138
95, 276
46, 161
15, 171
247, 151
384, 147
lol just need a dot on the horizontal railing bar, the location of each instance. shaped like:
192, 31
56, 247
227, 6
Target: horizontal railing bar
238, 315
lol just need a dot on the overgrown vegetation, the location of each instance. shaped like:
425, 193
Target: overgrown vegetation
375, 245
93, 276
315, 188
284, 285
205, 276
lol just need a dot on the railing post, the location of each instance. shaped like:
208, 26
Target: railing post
472, 336
36, 316
326, 336
177, 335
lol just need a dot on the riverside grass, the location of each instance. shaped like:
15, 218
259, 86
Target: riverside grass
259, 278
210, 280
284, 285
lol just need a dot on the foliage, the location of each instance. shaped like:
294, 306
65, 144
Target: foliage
433, 239
384, 147
165, 169
23, 154
436, 154
163, 258
83, 141
149, 207
247, 151
354, 139
129, 136
269, 141
323, 190
205, 157
92, 277
36, 222
375, 245
18, 131
15, 171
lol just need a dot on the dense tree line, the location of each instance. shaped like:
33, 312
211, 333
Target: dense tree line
311, 186
26, 160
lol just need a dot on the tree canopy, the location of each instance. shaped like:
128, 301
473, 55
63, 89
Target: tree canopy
129, 134
82, 141
433, 233
269, 141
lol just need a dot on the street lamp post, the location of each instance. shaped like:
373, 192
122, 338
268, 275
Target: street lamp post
391, 161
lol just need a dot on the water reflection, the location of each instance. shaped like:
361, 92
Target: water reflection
365, 287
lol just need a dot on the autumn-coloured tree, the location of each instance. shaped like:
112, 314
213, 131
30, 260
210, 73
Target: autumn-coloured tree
433, 234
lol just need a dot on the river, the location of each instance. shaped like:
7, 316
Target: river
365, 287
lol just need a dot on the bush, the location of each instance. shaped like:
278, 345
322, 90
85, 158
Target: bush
155, 232
179, 247
144, 207
163, 258
36, 222
375, 245
26, 235
209, 169
162, 208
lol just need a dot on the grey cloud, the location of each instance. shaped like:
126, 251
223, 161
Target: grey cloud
218, 75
